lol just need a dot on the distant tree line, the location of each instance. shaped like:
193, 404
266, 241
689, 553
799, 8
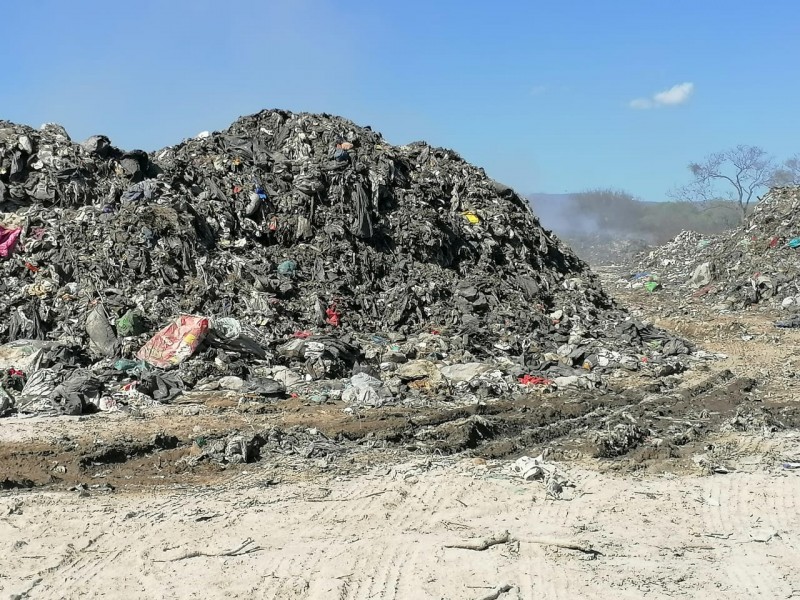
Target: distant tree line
616, 214
721, 192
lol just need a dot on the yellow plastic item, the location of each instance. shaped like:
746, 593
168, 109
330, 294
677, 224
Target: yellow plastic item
471, 217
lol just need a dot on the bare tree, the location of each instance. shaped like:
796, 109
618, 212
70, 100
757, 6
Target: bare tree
735, 175
788, 173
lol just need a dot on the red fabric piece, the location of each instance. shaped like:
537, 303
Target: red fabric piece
303, 335
175, 343
8, 240
534, 380
333, 316
704, 290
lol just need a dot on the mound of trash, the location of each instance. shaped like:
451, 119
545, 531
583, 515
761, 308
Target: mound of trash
757, 263
287, 250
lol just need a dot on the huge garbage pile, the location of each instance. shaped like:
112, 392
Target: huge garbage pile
676, 261
757, 263
290, 250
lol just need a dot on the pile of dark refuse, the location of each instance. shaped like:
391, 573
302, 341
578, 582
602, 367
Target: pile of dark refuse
290, 253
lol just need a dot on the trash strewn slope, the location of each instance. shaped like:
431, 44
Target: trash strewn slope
757, 263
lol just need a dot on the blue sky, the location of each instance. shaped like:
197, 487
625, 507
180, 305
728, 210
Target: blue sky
538, 93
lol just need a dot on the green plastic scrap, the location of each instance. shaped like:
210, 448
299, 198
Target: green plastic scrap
131, 323
288, 268
127, 365
652, 286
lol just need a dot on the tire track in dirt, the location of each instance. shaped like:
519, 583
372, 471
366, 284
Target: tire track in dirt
358, 573
540, 571
291, 587
527, 582
174, 502
361, 579
431, 503
552, 577
751, 572
416, 498
720, 526
358, 495
355, 545
533, 573
382, 563
76, 568
272, 580
596, 509
383, 582
321, 548
385, 566
408, 573
84, 581
780, 515
336, 520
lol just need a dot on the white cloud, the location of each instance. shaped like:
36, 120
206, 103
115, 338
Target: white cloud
538, 90
641, 103
677, 94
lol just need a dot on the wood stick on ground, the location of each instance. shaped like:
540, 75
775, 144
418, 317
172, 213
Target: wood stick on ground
501, 538
346, 499
242, 549
498, 592
564, 544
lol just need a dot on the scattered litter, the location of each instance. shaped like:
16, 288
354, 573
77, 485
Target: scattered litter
538, 469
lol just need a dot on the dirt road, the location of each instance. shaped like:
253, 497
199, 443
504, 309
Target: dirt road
385, 535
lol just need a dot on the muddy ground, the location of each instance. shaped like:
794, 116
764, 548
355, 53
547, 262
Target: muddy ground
731, 418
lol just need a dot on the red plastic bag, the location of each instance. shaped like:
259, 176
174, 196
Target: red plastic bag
175, 343
334, 317
533, 380
8, 240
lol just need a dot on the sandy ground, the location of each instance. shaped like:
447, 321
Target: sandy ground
380, 526
385, 535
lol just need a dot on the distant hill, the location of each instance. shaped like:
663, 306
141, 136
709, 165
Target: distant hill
619, 215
